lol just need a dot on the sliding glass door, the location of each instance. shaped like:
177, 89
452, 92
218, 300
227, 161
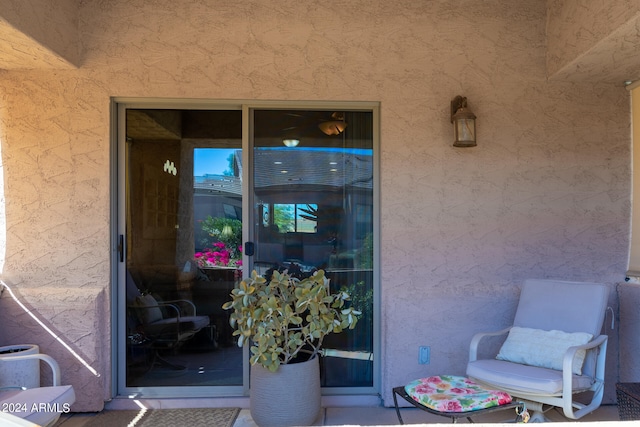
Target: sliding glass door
182, 241
313, 187
206, 195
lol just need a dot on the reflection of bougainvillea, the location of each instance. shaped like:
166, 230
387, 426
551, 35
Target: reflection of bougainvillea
218, 229
219, 256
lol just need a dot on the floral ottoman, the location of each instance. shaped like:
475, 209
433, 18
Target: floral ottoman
454, 396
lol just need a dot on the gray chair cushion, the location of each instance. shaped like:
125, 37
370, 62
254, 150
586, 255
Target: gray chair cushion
524, 378
561, 305
149, 309
197, 322
173, 325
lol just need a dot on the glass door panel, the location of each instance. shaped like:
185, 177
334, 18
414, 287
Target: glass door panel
313, 197
184, 209
183, 238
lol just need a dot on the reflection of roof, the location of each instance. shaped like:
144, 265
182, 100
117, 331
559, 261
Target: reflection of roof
295, 166
334, 168
218, 184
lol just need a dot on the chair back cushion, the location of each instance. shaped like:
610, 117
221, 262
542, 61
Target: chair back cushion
564, 306
148, 308
545, 349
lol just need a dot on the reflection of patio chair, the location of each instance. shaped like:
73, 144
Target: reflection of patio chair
554, 348
166, 324
40, 405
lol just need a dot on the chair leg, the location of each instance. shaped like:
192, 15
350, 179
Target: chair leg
538, 417
395, 402
536, 411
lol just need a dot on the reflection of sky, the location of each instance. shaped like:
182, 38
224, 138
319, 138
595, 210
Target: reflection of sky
210, 160
214, 160
359, 151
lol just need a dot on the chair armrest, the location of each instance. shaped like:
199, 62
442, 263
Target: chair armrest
55, 368
173, 308
475, 341
159, 305
190, 304
567, 375
567, 361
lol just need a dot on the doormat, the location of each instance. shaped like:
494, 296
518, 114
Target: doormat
197, 417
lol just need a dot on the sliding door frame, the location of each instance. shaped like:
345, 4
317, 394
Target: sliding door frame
119, 106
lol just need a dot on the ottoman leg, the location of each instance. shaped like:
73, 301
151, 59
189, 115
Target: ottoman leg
395, 402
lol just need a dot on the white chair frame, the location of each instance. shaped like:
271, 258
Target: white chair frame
595, 299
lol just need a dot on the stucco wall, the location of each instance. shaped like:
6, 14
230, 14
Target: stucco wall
39, 34
544, 194
77, 322
629, 295
593, 41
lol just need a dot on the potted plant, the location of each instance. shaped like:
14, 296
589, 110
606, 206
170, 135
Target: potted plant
285, 319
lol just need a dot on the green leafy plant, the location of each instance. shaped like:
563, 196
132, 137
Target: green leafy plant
223, 235
285, 316
364, 257
226, 230
361, 296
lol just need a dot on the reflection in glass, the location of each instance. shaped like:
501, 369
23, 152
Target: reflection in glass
312, 208
184, 234
315, 202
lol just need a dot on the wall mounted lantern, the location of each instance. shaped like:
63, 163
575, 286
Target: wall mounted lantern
464, 123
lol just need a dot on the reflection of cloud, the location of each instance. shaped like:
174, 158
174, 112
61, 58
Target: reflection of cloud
48, 330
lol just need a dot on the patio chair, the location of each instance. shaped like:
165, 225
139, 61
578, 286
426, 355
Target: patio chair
553, 351
40, 406
165, 324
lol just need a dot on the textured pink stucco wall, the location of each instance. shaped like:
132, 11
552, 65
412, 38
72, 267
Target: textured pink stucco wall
589, 40
546, 193
39, 34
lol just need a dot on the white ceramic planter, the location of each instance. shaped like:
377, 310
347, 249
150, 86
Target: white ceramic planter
288, 397
19, 373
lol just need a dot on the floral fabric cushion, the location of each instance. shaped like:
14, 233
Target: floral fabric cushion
450, 393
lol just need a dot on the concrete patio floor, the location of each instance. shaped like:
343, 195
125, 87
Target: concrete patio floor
387, 416
381, 416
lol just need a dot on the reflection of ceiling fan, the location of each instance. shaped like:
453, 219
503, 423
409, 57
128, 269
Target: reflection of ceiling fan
335, 126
